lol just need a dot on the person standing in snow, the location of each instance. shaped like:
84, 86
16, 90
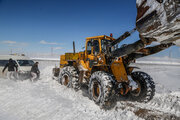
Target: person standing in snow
11, 74
35, 72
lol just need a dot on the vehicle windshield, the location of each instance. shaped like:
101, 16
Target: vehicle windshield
25, 62
96, 46
4, 62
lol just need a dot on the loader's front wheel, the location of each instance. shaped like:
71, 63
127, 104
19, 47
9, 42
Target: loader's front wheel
69, 77
100, 89
146, 87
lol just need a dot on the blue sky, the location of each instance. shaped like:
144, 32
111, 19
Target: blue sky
36, 26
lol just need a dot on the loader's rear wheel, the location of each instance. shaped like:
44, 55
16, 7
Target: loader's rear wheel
96, 89
68, 76
65, 80
146, 87
100, 89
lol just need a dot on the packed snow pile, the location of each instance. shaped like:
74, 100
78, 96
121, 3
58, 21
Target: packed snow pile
159, 19
46, 99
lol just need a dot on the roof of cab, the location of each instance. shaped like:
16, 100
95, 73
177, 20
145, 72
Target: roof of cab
14, 57
101, 37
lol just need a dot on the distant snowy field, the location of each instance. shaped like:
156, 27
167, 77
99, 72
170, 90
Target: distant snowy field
46, 99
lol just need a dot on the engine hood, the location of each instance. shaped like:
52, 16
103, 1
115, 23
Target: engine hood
24, 68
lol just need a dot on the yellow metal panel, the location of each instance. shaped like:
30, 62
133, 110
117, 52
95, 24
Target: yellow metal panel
63, 62
82, 55
71, 56
119, 71
95, 37
100, 37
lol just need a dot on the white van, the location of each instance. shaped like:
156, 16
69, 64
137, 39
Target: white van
23, 62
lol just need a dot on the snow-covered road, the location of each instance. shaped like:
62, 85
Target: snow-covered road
48, 100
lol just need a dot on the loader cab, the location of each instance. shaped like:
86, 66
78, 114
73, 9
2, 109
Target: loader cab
95, 46
92, 47
98, 44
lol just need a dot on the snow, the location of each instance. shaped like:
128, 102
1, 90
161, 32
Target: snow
153, 5
168, 29
46, 99
45, 59
139, 2
158, 62
177, 42
166, 77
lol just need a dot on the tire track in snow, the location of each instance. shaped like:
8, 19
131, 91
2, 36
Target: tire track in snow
162, 106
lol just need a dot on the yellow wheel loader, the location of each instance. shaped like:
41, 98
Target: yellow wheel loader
105, 68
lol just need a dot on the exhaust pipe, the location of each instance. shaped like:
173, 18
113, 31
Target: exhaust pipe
74, 47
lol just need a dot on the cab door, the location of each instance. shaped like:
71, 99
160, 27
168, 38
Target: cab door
92, 50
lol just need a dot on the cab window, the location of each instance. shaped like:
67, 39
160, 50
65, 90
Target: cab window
96, 46
104, 44
89, 47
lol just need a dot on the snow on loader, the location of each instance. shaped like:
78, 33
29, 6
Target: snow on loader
106, 69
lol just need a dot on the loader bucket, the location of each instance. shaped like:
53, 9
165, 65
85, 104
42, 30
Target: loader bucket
159, 19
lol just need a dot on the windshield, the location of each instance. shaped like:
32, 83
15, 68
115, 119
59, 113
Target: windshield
4, 62
25, 62
96, 46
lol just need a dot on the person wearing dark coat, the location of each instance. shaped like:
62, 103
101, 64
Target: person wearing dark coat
11, 74
35, 71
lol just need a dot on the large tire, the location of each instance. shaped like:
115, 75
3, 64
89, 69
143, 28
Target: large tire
100, 89
68, 76
146, 87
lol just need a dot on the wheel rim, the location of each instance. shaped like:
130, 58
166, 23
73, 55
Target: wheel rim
137, 91
65, 80
96, 90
